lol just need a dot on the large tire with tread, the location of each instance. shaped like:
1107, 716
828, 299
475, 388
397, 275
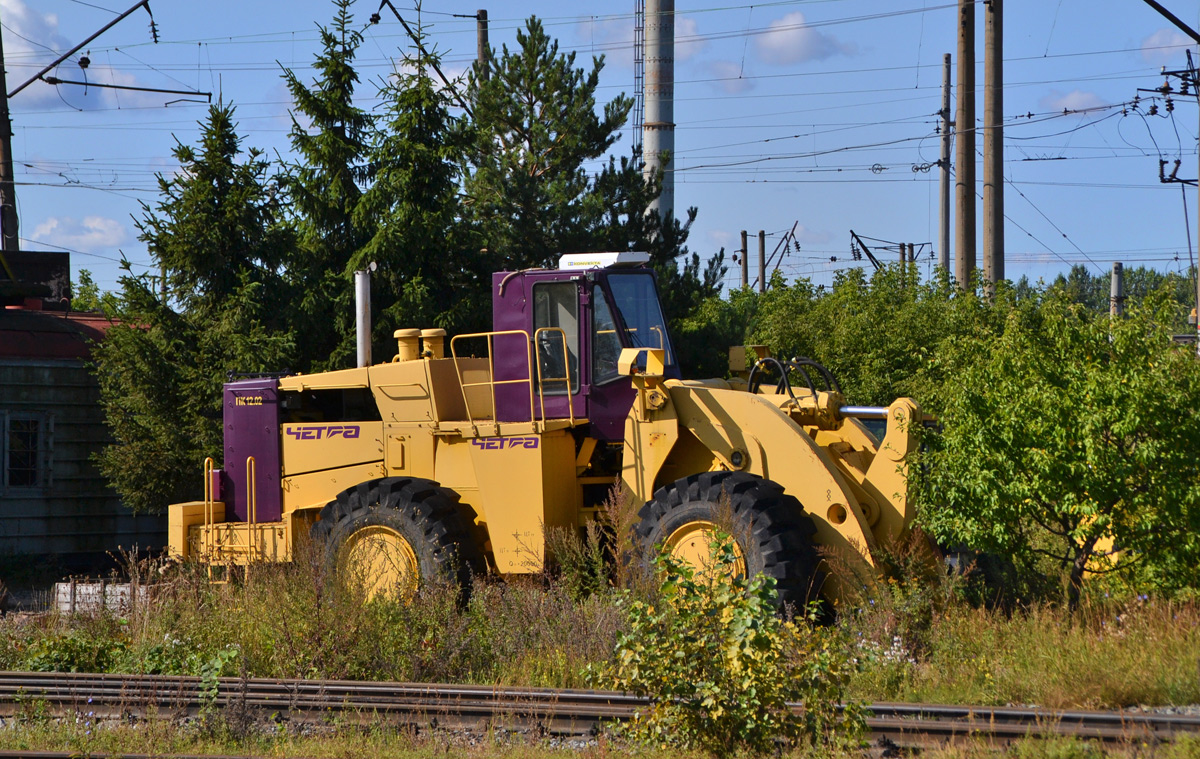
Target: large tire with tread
397, 533
773, 534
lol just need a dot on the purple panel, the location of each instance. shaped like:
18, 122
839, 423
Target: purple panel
608, 407
252, 429
512, 310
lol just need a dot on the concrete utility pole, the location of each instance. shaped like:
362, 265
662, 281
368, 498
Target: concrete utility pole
745, 261
658, 130
1116, 299
944, 229
762, 261
993, 144
483, 50
964, 161
8, 187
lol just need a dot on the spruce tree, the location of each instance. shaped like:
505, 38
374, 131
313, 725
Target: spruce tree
215, 235
324, 188
534, 128
430, 271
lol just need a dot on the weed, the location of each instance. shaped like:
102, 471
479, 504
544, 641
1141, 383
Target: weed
720, 666
581, 564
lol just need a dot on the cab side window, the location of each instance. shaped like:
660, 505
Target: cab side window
606, 344
556, 337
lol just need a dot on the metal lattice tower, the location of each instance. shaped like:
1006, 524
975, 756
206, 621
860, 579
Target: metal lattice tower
639, 71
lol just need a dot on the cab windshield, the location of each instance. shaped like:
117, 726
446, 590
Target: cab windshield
636, 300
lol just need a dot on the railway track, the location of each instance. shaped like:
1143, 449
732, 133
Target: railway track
543, 711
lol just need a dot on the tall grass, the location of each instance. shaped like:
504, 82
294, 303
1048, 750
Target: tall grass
1107, 654
913, 639
295, 621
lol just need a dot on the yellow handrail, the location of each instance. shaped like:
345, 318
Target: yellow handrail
251, 512
209, 506
209, 509
492, 382
542, 380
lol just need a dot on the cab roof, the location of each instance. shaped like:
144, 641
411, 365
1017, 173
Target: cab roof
602, 260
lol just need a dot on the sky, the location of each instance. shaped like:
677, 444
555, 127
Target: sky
818, 116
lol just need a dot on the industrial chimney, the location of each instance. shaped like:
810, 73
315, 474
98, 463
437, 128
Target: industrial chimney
658, 130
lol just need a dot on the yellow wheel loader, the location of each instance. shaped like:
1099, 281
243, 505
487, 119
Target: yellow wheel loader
454, 458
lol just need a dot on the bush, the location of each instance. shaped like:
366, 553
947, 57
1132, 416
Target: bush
720, 667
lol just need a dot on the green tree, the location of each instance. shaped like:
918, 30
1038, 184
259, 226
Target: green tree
530, 197
1066, 432
534, 127
430, 270
878, 335
87, 296
161, 366
324, 189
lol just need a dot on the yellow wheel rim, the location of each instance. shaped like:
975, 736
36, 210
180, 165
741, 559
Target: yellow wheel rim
382, 562
692, 544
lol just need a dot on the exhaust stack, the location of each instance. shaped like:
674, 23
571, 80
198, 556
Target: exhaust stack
362, 308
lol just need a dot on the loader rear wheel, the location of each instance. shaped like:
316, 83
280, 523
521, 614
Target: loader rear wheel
771, 532
390, 536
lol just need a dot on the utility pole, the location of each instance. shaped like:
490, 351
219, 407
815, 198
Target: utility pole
993, 144
745, 261
1116, 299
944, 230
1196, 88
762, 261
484, 50
964, 125
9, 224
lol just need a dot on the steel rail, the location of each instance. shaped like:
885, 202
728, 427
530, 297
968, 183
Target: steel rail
544, 710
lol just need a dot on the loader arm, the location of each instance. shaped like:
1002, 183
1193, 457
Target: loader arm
741, 431
776, 448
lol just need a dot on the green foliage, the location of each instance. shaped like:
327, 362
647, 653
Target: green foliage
86, 295
534, 126
877, 335
161, 366
581, 563
324, 192
1092, 291
74, 650
720, 667
211, 672
1068, 431
430, 271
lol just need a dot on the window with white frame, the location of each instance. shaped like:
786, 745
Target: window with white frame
26, 447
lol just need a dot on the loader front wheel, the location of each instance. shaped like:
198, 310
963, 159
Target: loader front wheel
771, 532
390, 536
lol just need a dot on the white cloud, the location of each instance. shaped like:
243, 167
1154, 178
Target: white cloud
93, 234
729, 77
812, 236
719, 238
687, 42
30, 41
1164, 46
791, 40
612, 37
22, 57
1075, 100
